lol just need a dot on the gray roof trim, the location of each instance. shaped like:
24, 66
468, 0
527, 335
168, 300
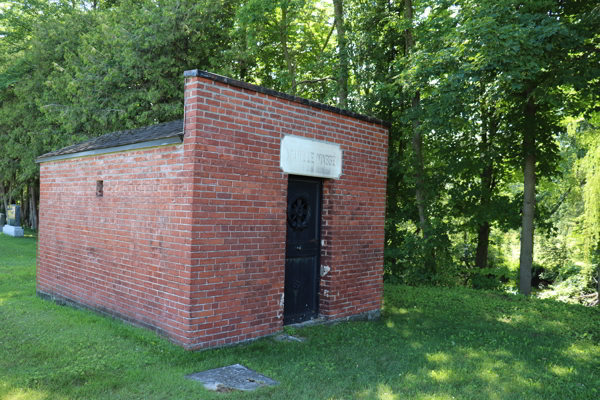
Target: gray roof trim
295, 99
135, 146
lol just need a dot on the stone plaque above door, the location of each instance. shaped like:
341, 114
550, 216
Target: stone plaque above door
310, 157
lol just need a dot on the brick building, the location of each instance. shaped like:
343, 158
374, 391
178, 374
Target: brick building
258, 209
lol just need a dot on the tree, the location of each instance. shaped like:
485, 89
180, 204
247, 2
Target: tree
78, 72
127, 71
375, 41
417, 145
287, 46
521, 58
559, 41
590, 165
50, 37
338, 6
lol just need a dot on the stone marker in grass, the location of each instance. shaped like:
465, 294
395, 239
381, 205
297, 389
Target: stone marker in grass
236, 377
13, 224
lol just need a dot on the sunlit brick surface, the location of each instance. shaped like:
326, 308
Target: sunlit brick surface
189, 239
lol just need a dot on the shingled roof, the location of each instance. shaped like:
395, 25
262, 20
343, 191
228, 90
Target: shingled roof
117, 140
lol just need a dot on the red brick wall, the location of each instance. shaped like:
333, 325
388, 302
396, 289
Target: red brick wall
353, 228
190, 239
234, 134
126, 253
238, 254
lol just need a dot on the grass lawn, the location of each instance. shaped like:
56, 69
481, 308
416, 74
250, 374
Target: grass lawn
432, 343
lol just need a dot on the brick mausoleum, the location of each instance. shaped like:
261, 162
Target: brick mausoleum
258, 209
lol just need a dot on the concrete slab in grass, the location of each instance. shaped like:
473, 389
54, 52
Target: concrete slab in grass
232, 377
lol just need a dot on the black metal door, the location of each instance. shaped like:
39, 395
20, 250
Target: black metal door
302, 249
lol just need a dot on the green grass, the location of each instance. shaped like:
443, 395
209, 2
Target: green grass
432, 343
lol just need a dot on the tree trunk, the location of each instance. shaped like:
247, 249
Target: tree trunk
489, 128
483, 243
408, 15
526, 256
286, 52
4, 198
598, 270
24, 210
417, 140
33, 217
343, 53
417, 145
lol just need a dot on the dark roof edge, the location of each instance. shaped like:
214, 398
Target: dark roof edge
119, 139
113, 149
295, 99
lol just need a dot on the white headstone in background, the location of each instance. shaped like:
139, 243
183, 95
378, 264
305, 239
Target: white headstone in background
310, 157
14, 231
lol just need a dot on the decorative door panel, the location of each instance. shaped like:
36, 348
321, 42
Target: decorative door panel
302, 249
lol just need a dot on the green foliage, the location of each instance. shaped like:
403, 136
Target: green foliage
285, 45
403, 263
82, 72
553, 259
70, 71
127, 72
404, 260
477, 67
566, 259
589, 165
290, 330
489, 278
494, 277
25, 132
573, 281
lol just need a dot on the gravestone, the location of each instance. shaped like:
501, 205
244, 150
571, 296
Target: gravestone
14, 215
13, 223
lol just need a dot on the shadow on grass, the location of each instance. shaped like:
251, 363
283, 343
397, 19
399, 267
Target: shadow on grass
432, 343
416, 352
492, 346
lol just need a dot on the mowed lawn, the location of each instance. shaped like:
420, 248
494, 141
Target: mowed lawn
432, 343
